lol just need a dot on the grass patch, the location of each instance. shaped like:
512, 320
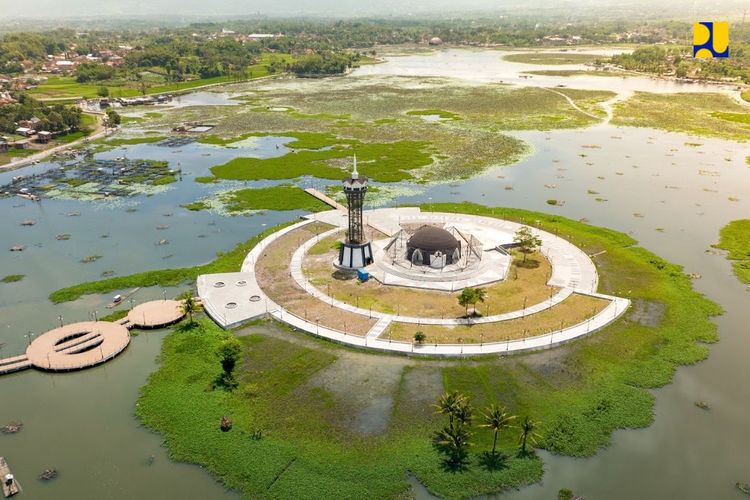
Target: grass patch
552, 58
702, 114
384, 162
115, 316
12, 278
164, 180
225, 262
291, 390
245, 201
735, 239
441, 113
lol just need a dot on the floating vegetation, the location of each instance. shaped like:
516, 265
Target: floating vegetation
12, 428
434, 114
638, 215
554, 202
733, 198
48, 475
62, 237
90, 258
12, 278
162, 227
108, 273
591, 191
130, 210
702, 405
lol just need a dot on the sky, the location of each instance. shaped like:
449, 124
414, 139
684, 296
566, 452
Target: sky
50, 9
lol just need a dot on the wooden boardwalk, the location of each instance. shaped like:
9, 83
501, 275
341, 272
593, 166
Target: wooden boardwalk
89, 343
326, 199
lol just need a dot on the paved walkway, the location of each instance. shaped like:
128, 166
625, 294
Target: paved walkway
155, 314
573, 271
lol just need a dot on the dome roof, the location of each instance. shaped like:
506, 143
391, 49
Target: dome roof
431, 239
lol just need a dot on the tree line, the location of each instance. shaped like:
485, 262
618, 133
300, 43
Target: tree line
56, 118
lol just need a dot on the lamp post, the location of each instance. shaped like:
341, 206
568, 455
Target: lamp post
96, 318
30, 335
60, 319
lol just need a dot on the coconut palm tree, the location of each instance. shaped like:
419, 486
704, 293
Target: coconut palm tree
528, 434
189, 306
496, 418
449, 403
454, 442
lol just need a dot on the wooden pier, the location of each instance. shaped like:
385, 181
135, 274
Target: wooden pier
325, 199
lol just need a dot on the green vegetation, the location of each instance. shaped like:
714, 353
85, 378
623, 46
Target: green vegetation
225, 262
576, 72
385, 162
679, 61
57, 118
552, 58
710, 115
12, 278
441, 113
325, 63
294, 434
115, 316
735, 239
281, 197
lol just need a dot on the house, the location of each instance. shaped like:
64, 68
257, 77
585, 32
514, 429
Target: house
43, 137
33, 123
3, 144
22, 144
25, 131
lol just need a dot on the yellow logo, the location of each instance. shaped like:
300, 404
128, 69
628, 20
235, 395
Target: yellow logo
710, 39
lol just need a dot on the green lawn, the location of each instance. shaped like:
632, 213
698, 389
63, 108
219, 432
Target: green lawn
735, 239
66, 87
309, 447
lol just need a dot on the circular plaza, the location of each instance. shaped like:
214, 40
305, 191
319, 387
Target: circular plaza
408, 299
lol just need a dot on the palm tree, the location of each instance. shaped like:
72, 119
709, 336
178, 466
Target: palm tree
528, 434
455, 405
454, 442
189, 306
496, 418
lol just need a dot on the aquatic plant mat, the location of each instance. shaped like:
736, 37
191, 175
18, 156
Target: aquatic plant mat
313, 419
735, 239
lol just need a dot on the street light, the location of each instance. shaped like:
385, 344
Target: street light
60, 318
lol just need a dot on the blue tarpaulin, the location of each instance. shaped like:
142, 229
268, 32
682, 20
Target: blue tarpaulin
363, 275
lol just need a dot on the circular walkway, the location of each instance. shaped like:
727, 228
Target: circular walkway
78, 345
156, 314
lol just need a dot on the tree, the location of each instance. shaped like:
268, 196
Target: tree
189, 306
419, 337
453, 439
113, 118
454, 442
496, 418
480, 294
229, 354
465, 298
450, 403
526, 241
102, 91
528, 434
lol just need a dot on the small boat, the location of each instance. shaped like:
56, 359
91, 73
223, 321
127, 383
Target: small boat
117, 299
10, 485
743, 487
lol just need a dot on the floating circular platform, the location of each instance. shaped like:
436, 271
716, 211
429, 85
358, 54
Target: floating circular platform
78, 345
156, 314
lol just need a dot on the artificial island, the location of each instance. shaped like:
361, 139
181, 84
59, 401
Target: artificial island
395, 279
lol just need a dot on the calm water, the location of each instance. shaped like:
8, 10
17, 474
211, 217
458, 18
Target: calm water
82, 423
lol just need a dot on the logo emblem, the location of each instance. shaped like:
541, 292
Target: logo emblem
710, 39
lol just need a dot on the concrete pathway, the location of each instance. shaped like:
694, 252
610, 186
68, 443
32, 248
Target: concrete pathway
573, 271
